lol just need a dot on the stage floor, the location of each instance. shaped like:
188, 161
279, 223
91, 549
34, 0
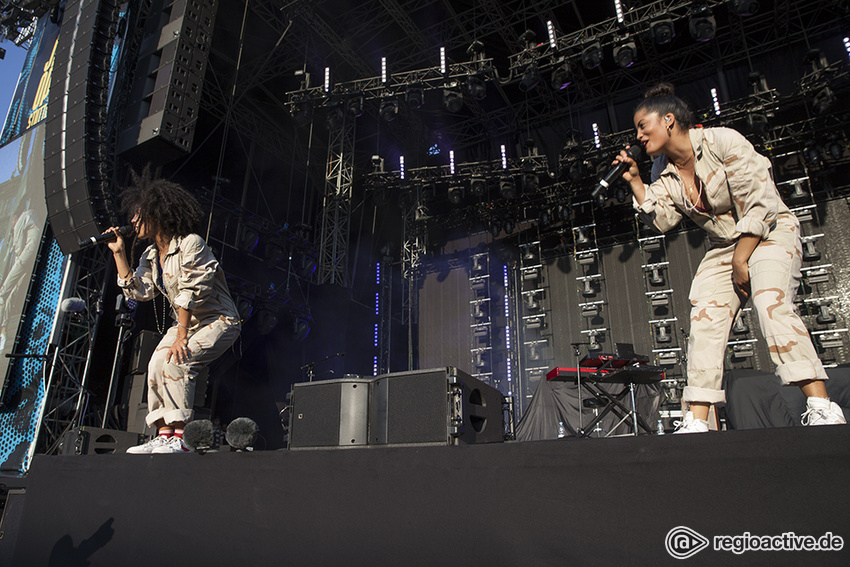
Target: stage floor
559, 502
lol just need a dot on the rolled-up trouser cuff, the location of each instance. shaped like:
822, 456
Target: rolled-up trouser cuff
169, 416
704, 395
800, 371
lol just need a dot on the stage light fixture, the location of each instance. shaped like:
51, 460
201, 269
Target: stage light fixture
509, 226
507, 188
810, 253
302, 112
476, 51
625, 54
550, 29
530, 182
812, 153
562, 75
495, 229
477, 185
823, 100
453, 100
301, 327
455, 194
388, 109
825, 315
580, 236
591, 56
476, 86
816, 59
758, 82
834, 148
335, 116
740, 327
702, 24
757, 122
663, 31
267, 320
245, 307
744, 7
530, 78
415, 96
528, 38
354, 105
249, 239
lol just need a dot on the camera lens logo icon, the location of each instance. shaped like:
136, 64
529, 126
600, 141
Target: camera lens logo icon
683, 542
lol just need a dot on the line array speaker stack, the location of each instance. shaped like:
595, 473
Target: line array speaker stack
75, 166
442, 406
165, 96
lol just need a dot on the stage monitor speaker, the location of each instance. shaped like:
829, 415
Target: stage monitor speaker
329, 413
441, 406
94, 440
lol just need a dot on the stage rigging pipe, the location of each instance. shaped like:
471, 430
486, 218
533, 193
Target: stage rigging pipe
227, 118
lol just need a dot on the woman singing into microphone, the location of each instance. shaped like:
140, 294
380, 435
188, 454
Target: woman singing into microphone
180, 266
715, 177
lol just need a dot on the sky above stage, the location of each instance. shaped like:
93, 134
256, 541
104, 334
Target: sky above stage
10, 69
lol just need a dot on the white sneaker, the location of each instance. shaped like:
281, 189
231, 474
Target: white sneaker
148, 448
173, 445
690, 425
821, 411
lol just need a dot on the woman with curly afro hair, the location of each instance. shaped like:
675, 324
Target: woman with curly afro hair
179, 265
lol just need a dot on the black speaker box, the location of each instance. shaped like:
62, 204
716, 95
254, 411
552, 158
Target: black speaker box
441, 406
10, 519
329, 413
93, 440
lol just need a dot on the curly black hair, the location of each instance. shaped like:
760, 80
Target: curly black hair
164, 206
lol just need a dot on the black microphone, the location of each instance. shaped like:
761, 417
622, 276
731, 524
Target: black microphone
616, 171
241, 434
198, 435
124, 231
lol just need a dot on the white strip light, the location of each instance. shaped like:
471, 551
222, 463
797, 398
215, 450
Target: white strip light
327, 79
452, 162
384, 70
550, 27
716, 101
619, 7
504, 158
443, 60
847, 45
596, 141
401, 166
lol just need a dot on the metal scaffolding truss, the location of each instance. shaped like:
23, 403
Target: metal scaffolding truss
67, 393
336, 209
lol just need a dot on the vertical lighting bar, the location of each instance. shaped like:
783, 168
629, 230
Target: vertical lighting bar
618, 5
847, 45
452, 162
443, 60
596, 141
716, 101
327, 79
504, 158
377, 314
401, 166
508, 369
550, 27
384, 70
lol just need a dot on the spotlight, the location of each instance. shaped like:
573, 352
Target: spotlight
757, 123
625, 53
476, 86
302, 112
476, 51
530, 78
744, 7
663, 31
415, 96
580, 236
509, 226
823, 100
834, 148
528, 38
388, 109
825, 315
812, 153
354, 106
591, 56
245, 307
335, 117
562, 76
530, 182
816, 59
495, 229
453, 100
507, 189
758, 82
477, 185
455, 194
702, 24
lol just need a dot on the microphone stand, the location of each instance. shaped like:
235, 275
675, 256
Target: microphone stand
577, 353
309, 366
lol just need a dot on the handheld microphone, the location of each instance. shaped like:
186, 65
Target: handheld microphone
616, 171
124, 231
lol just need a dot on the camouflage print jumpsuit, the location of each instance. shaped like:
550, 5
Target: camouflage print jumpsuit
191, 278
741, 198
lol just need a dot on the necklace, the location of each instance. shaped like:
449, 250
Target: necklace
686, 192
160, 324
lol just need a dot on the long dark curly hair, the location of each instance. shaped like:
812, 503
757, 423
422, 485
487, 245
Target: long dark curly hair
165, 207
